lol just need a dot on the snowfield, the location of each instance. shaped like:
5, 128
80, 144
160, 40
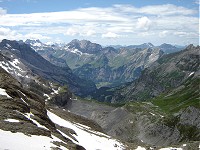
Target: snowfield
87, 138
19, 141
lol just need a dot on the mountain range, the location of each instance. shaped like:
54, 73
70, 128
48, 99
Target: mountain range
106, 66
35, 64
47, 92
167, 73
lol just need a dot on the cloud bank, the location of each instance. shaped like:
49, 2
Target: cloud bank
125, 23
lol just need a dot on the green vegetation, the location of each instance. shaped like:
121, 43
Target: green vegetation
179, 98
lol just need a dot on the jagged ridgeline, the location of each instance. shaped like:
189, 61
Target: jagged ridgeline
106, 66
30, 60
172, 73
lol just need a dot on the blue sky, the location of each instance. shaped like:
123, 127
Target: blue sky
110, 22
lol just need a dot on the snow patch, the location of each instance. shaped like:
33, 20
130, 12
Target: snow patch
140, 148
11, 120
76, 51
37, 44
191, 74
55, 91
152, 113
24, 101
87, 139
48, 97
13, 68
3, 92
28, 116
8, 45
161, 116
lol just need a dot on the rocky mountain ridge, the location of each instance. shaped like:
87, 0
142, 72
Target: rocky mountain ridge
106, 66
170, 71
29, 123
26, 57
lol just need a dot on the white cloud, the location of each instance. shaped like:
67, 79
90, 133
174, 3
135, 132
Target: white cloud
102, 23
80, 31
143, 23
90, 33
146, 34
6, 33
163, 34
167, 9
110, 35
163, 10
71, 32
36, 36
113, 15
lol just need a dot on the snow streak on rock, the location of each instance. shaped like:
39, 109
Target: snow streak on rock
3, 92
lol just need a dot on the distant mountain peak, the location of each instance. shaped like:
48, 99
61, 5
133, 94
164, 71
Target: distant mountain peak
84, 46
165, 45
31, 41
149, 44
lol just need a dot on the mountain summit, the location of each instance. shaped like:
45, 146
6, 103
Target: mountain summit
84, 46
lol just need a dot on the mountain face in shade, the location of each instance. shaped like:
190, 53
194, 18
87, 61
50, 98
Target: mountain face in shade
43, 68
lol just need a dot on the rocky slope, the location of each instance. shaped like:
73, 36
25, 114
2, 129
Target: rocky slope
144, 123
118, 67
22, 56
30, 123
24, 112
169, 117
